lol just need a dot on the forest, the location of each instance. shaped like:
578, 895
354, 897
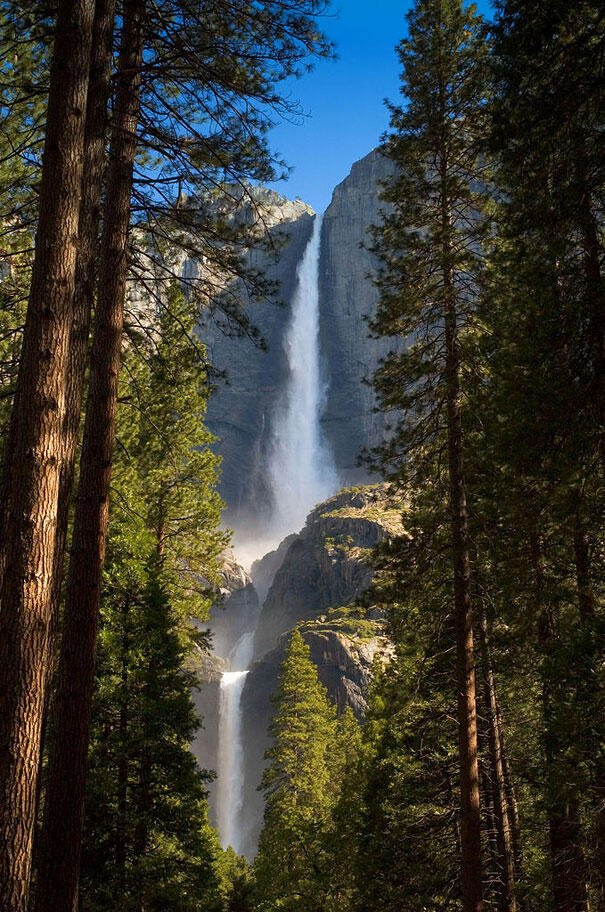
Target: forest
133, 135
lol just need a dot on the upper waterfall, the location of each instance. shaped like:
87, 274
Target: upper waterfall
301, 468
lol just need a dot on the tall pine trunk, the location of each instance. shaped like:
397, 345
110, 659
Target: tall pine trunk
504, 838
470, 827
593, 697
567, 858
31, 478
513, 813
64, 806
86, 259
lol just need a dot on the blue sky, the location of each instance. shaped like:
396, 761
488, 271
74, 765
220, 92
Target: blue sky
344, 98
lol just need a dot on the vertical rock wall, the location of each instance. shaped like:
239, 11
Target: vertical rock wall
241, 411
347, 296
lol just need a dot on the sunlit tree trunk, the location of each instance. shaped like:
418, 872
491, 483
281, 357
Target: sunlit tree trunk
67, 769
86, 260
31, 477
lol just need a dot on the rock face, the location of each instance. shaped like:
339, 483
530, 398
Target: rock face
263, 571
324, 566
347, 296
241, 412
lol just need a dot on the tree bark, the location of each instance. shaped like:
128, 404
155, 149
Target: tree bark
568, 864
593, 657
594, 298
92, 185
513, 813
31, 478
67, 771
465, 659
498, 787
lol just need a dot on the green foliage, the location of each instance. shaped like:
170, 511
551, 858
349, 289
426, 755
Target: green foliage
427, 240
148, 842
296, 867
23, 67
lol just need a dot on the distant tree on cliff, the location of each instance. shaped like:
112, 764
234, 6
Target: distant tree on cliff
427, 284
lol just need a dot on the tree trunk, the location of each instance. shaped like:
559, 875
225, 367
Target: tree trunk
567, 858
493, 870
498, 786
122, 785
513, 812
92, 185
31, 478
465, 660
594, 698
594, 298
67, 771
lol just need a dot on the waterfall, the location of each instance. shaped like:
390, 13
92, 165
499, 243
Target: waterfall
230, 747
230, 759
301, 473
301, 469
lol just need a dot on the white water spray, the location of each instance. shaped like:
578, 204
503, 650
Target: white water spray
301, 469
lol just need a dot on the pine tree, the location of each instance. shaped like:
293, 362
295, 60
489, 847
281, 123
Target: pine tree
549, 295
291, 868
148, 843
407, 852
281, 41
428, 285
147, 837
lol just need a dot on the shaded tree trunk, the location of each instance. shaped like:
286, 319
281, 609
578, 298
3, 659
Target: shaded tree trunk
122, 791
507, 901
594, 297
493, 870
67, 771
593, 698
470, 813
513, 812
568, 864
31, 478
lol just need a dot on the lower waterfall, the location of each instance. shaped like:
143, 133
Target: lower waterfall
230, 746
230, 759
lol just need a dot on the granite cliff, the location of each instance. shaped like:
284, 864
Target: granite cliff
241, 413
